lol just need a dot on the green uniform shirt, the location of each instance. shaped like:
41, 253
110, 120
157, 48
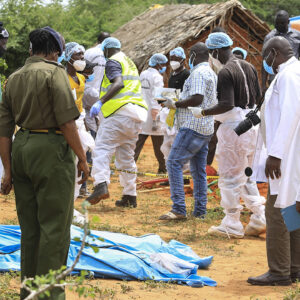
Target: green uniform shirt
37, 96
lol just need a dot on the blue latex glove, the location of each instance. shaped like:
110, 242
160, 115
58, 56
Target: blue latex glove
95, 109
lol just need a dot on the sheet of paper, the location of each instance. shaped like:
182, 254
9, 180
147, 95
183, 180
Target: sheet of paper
291, 217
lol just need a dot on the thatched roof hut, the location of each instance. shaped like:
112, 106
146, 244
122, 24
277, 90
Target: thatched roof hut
164, 28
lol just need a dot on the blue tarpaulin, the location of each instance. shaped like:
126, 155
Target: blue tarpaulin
120, 256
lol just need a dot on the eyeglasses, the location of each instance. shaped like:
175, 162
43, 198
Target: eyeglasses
4, 34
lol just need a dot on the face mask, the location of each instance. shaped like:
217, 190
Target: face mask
269, 69
90, 78
79, 65
175, 64
162, 70
61, 58
191, 60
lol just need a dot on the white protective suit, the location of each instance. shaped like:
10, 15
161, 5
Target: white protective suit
234, 153
150, 80
92, 88
280, 131
118, 135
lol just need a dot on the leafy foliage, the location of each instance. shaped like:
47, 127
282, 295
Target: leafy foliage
82, 20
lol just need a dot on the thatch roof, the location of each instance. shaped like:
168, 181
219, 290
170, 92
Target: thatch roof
164, 28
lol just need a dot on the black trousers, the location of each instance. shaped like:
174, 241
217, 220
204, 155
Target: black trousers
157, 141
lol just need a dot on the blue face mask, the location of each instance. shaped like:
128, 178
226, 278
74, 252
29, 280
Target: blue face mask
90, 78
61, 58
269, 69
162, 70
191, 61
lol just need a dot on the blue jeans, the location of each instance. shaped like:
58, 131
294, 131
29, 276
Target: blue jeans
192, 146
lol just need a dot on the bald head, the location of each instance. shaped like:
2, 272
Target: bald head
280, 44
277, 51
282, 21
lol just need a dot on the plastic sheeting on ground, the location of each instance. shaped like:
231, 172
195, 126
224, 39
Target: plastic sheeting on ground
120, 256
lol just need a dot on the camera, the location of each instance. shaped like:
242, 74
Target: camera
252, 119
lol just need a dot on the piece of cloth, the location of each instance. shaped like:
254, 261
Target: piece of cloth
282, 131
117, 135
215, 64
292, 35
113, 69
231, 84
234, 153
92, 88
179, 52
157, 141
283, 247
177, 80
156, 59
41, 108
72, 48
151, 80
202, 81
192, 146
79, 89
43, 172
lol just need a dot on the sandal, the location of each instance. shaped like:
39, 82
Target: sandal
172, 216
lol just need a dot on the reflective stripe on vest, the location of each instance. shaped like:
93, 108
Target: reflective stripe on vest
130, 93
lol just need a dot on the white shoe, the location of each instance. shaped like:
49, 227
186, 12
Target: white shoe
254, 231
224, 231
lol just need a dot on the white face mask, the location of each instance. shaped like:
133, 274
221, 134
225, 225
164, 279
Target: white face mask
79, 65
175, 64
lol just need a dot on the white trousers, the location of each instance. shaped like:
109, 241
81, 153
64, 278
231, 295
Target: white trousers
234, 153
116, 135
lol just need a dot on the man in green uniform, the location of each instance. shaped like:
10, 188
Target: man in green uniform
40, 161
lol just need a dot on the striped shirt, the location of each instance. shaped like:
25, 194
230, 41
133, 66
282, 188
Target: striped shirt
202, 81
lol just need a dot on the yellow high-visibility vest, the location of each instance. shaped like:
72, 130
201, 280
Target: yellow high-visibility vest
130, 93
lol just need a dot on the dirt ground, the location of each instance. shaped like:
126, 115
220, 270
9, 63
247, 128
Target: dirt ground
234, 260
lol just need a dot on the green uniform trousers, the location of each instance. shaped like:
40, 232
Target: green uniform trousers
283, 247
43, 172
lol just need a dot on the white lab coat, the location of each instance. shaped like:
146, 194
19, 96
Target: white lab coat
282, 133
150, 80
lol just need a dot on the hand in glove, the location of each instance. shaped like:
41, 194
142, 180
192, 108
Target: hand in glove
196, 111
169, 103
95, 109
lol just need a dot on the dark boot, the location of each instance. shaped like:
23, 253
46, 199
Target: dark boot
127, 201
268, 279
100, 192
